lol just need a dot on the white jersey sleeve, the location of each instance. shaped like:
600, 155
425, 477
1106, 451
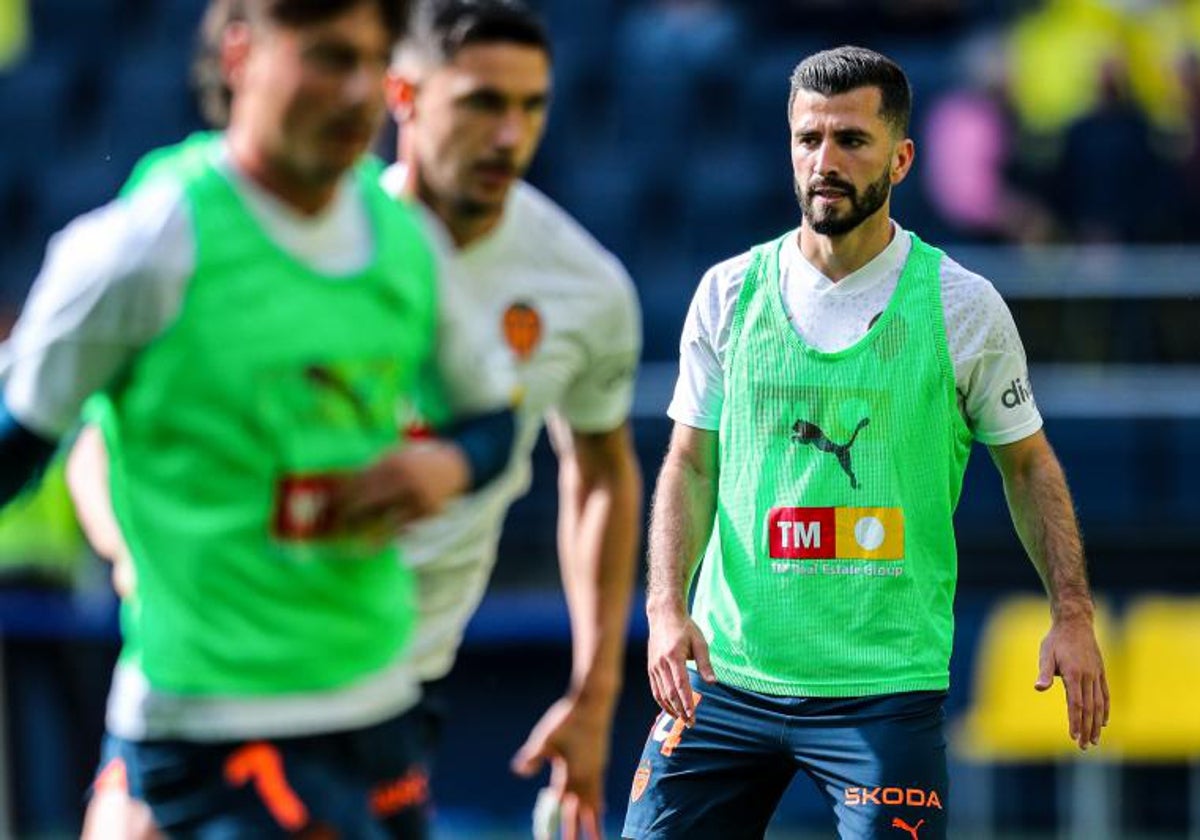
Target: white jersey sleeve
600, 398
700, 388
112, 281
991, 371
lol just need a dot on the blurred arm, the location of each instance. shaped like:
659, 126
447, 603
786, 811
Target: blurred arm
419, 478
598, 523
600, 502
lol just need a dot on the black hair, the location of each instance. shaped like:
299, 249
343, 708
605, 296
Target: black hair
439, 29
844, 69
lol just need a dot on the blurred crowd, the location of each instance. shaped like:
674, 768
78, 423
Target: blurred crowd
1046, 121
1036, 121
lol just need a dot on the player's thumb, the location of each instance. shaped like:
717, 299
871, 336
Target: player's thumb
529, 759
1045, 677
700, 655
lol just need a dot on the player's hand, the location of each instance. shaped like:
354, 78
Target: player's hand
574, 737
1071, 652
674, 639
406, 484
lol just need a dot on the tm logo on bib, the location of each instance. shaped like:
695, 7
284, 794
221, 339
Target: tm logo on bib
842, 533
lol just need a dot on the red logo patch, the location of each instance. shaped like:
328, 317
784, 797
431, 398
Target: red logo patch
797, 533
304, 507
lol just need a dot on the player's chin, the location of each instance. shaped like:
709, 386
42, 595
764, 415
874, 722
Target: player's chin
341, 151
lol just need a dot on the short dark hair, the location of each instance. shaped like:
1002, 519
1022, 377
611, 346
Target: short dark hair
844, 69
439, 29
207, 78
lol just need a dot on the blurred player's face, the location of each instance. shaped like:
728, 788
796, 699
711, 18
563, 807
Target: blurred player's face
310, 99
845, 159
474, 124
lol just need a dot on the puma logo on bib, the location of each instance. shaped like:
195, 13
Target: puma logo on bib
810, 433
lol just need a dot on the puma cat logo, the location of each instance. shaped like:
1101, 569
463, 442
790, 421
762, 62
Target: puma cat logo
911, 829
811, 434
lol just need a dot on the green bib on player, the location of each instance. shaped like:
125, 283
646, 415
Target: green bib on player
228, 434
832, 564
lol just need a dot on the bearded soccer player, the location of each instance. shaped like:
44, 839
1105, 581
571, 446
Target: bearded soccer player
831, 384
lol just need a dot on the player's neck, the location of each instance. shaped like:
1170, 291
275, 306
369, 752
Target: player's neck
304, 196
467, 230
465, 227
837, 257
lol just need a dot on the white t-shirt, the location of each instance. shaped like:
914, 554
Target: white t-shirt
573, 335
112, 281
991, 373
115, 278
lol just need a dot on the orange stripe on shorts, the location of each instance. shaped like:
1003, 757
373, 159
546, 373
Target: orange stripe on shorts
262, 764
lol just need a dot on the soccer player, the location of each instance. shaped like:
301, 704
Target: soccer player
252, 317
831, 384
470, 87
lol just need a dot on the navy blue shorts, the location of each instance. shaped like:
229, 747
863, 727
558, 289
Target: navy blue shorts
880, 763
427, 721
357, 784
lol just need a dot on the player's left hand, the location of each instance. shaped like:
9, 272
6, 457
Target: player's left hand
406, 484
574, 737
1070, 651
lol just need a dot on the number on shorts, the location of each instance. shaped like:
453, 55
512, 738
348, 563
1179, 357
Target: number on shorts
262, 764
669, 731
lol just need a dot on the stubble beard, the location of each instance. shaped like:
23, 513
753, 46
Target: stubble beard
862, 207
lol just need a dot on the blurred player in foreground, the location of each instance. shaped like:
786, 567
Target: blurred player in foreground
469, 88
831, 384
252, 318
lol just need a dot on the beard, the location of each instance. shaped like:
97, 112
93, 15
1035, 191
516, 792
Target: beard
861, 207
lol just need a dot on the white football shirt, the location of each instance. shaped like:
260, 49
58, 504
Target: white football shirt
991, 372
563, 311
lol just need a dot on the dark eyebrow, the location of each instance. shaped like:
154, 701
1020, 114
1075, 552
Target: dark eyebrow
852, 134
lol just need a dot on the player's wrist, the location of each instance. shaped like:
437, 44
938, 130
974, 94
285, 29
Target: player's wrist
596, 693
1073, 609
665, 607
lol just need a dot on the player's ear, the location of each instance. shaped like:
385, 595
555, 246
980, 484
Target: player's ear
236, 44
401, 92
902, 159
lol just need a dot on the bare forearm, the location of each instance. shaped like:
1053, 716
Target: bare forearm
600, 493
1045, 521
681, 521
598, 550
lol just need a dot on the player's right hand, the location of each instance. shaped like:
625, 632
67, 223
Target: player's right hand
674, 639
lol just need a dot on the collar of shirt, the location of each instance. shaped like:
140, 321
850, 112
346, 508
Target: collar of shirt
886, 265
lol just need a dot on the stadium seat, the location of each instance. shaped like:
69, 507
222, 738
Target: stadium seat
1160, 719
1008, 722
1160, 678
